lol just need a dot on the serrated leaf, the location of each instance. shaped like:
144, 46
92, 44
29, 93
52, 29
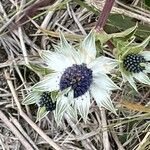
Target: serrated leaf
102, 98
136, 49
142, 77
41, 113
31, 98
65, 47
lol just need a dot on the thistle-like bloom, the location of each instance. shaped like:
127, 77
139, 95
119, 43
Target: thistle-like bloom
134, 63
79, 77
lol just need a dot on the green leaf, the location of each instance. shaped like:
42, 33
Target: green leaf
121, 22
147, 2
103, 37
31, 98
136, 49
144, 43
41, 113
125, 35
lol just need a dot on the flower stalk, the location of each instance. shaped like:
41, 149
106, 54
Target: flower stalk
104, 15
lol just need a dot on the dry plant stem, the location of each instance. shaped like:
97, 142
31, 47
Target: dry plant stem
78, 22
2, 144
32, 124
24, 51
48, 17
33, 10
104, 15
106, 142
17, 124
146, 14
87, 135
77, 132
15, 131
115, 137
135, 2
145, 139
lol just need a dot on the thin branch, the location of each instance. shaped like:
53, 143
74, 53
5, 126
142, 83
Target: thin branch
23, 48
143, 142
15, 131
115, 137
85, 144
106, 142
32, 11
17, 124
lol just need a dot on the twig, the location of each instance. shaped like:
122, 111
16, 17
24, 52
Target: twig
17, 124
30, 122
115, 137
77, 22
145, 139
86, 135
24, 51
48, 17
77, 131
106, 142
32, 11
135, 2
2, 144
5, 95
15, 131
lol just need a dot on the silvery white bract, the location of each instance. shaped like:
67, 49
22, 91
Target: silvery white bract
135, 63
79, 77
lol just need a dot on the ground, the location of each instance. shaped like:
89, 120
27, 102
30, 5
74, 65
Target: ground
129, 130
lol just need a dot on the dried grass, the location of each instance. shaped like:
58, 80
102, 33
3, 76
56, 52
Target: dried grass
18, 130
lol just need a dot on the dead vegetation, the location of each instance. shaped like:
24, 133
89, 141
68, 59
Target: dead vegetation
20, 44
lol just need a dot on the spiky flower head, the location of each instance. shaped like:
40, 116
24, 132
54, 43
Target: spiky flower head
79, 77
134, 62
46, 101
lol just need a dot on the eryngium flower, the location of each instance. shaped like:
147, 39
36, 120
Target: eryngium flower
134, 63
79, 77
45, 101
